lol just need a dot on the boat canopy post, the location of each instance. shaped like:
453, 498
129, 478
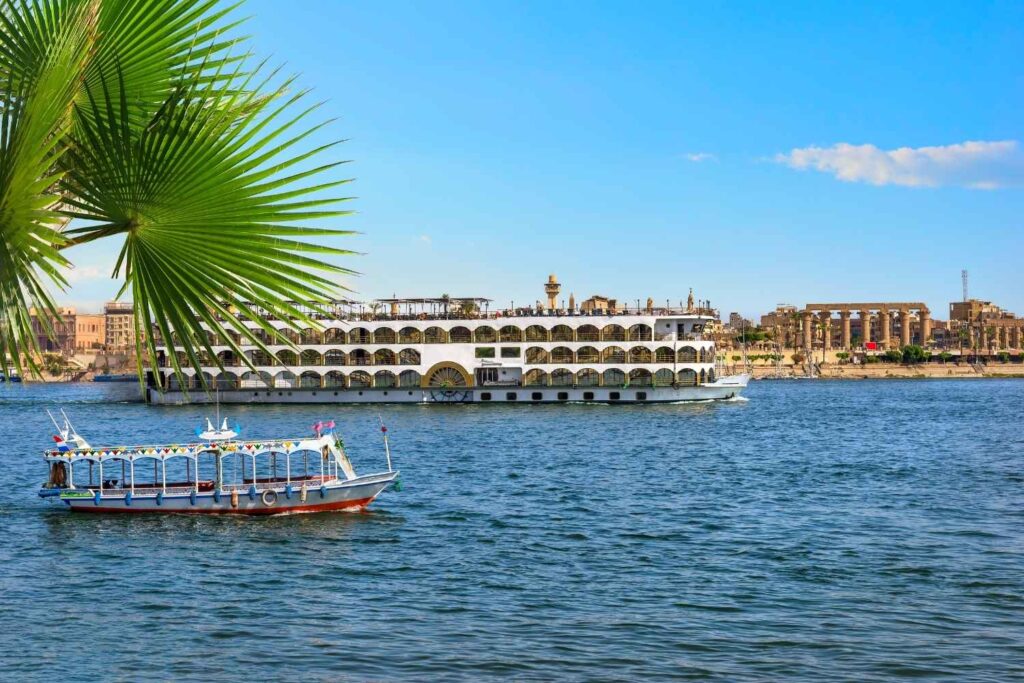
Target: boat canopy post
101, 477
288, 468
164, 482
131, 471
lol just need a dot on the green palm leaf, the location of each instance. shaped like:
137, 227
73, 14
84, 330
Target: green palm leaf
213, 209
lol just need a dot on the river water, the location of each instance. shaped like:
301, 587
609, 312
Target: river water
868, 530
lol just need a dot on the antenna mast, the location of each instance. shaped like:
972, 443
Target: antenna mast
963, 277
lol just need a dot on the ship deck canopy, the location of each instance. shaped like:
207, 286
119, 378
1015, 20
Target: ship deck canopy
164, 451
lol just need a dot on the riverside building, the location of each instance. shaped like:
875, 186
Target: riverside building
452, 350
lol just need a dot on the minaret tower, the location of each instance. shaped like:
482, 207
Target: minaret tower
552, 288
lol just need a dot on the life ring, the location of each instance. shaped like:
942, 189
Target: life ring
269, 498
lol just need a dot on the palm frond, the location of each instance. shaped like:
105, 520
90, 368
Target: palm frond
213, 209
35, 112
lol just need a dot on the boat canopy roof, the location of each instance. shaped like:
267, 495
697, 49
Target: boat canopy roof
164, 451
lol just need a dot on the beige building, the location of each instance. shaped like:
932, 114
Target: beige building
120, 325
90, 331
62, 339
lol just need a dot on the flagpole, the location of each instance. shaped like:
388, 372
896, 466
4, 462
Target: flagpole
387, 448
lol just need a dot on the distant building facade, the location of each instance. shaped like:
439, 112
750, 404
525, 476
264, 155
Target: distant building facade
90, 331
120, 325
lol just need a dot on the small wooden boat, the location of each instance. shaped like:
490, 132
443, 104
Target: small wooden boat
218, 474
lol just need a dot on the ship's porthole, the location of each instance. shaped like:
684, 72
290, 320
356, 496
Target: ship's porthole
588, 395
385, 393
335, 393
360, 393
613, 396
563, 395
255, 393
410, 393
280, 394
537, 396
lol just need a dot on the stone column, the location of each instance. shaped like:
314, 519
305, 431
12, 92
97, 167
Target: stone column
905, 327
1016, 338
885, 327
845, 316
984, 338
827, 341
865, 326
926, 327
808, 330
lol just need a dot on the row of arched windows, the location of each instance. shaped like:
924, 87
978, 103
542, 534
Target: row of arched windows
639, 377
385, 379
486, 334
382, 379
536, 355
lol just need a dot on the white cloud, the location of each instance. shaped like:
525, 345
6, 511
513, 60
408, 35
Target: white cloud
698, 157
423, 238
978, 164
84, 273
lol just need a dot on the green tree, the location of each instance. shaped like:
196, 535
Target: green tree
842, 356
142, 123
945, 356
913, 353
893, 356
1004, 356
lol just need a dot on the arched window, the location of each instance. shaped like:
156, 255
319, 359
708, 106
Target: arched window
384, 357
359, 380
664, 378
287, 358
359, 335
641, 332
285, 379
334, 335
311, 357
460, 335
485, 334
288, 334
536, 333
226, 380
588, 333
703, 377
535, 378
562, 333
334, 379
613, 377
640, 378
613, 354
562, 378
384, 335
639, 354
687, 378
311, 336
711, 375
359, 357
385, 379
228, 358
588, 377
615, 333
310, 380
435, 335
664, 354
588, 354
509, 334
334, 357
535, 355
409, 335
409, 357
562, 354
409, 378
687, 354
256, 379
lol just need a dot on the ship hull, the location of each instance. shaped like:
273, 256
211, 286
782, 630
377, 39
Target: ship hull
724, 389
351, 496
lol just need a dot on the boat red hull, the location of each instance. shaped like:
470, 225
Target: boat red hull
318, 507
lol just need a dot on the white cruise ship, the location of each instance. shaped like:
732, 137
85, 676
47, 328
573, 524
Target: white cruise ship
456, 350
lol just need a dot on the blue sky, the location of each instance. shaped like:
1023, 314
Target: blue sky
794, 153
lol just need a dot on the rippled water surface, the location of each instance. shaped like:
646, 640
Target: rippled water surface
820, 531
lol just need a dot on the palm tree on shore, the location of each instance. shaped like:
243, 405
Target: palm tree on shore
143, 123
